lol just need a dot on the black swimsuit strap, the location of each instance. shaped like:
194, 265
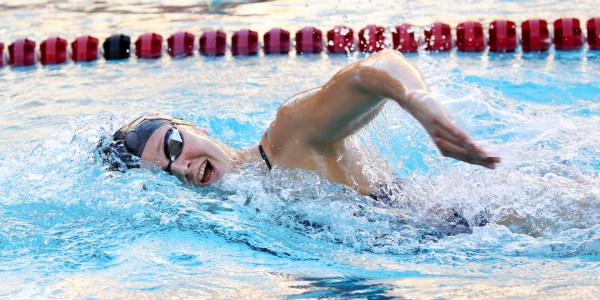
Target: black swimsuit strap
264, 156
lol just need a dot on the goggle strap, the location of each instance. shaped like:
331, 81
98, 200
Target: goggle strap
169, 167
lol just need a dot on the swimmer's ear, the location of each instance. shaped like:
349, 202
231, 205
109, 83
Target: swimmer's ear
115, 155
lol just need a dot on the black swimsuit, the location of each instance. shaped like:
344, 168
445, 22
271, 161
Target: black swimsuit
264, 156
456, 223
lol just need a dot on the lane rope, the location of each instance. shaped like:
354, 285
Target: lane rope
468, 36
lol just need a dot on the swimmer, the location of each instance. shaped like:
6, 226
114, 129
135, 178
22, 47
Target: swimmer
310, 131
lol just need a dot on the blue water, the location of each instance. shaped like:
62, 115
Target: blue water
72, 229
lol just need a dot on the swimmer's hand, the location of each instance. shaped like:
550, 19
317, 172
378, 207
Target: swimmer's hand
447, 136
453, 142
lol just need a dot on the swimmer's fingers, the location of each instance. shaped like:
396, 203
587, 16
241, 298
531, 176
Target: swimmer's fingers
447, 130
481, 157
458, 145
455, 143
471, 154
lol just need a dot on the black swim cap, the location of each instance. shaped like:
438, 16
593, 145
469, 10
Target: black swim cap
128, 143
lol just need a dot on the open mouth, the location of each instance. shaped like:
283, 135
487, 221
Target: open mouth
206, 172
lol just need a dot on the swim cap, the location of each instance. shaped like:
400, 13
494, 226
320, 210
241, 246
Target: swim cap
128, 143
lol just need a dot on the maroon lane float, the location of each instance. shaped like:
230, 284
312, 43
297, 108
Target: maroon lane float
340, 39
213, 43
309, 40
53, 51
180, 44
502, 36
21, 53
371, 39
244, 42
276, 41
535, 35
567, 34
403, 39
593, 33
438, 37
84, 49
1, 54
149, 46
469, 37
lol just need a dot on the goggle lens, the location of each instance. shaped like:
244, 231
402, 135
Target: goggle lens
173, 145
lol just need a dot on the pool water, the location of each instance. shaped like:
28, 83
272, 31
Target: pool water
72, 229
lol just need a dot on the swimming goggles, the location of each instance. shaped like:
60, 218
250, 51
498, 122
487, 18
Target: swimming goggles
173, 145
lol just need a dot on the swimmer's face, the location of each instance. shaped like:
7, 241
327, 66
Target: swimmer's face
202, 160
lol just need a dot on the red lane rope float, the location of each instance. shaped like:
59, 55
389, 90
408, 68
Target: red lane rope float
1, 54
567, 34
53, 51
273, 39
340, 39
534, 33
21, 53
276, 41
213, 43
403, 39
149, 46
309, 40
438, 37
593, 33
502, 36
180, 44
244, 42
371, 39
84, 48
469, 37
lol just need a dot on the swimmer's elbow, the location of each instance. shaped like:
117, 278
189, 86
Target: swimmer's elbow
386, 59
372, 73
389, 74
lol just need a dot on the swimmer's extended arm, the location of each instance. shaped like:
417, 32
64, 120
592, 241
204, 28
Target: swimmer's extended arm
356, 94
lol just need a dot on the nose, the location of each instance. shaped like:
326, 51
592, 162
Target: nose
182, 169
